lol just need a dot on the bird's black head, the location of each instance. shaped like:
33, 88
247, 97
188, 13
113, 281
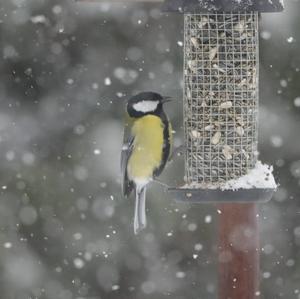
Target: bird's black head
146, 103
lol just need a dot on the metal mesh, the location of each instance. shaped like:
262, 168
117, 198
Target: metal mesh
220, 96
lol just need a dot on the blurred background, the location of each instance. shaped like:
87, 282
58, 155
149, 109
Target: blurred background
65, 230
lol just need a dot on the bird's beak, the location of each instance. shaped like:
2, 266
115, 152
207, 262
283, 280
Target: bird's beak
166, 100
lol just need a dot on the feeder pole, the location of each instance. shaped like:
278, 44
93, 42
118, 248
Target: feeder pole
238, 251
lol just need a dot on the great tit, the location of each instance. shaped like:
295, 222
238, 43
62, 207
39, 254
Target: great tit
146, 149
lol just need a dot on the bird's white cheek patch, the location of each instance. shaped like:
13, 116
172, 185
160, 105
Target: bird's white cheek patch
145, 106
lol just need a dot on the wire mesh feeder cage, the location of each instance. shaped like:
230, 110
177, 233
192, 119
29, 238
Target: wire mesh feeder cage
221, 97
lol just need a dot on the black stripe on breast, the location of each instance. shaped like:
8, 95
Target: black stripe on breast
166, 146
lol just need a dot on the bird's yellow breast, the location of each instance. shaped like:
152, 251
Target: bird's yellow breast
148, 147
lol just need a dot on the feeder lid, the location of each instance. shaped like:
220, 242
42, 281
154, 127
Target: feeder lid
213, 6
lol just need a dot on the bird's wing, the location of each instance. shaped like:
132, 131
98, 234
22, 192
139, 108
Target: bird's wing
127, 148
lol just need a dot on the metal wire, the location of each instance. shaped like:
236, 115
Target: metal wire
220, 95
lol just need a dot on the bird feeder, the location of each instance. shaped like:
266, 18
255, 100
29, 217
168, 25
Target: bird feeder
221, 97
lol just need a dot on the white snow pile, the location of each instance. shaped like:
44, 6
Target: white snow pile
260, 177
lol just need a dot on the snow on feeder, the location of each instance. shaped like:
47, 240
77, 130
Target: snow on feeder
221, 97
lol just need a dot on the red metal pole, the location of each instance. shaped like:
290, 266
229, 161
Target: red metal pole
238, 251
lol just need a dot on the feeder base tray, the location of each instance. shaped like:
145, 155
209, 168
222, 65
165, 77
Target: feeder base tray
221, 196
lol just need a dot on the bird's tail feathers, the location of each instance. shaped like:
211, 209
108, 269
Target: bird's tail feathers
140, 221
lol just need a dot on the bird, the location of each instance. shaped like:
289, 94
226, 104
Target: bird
146, 148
